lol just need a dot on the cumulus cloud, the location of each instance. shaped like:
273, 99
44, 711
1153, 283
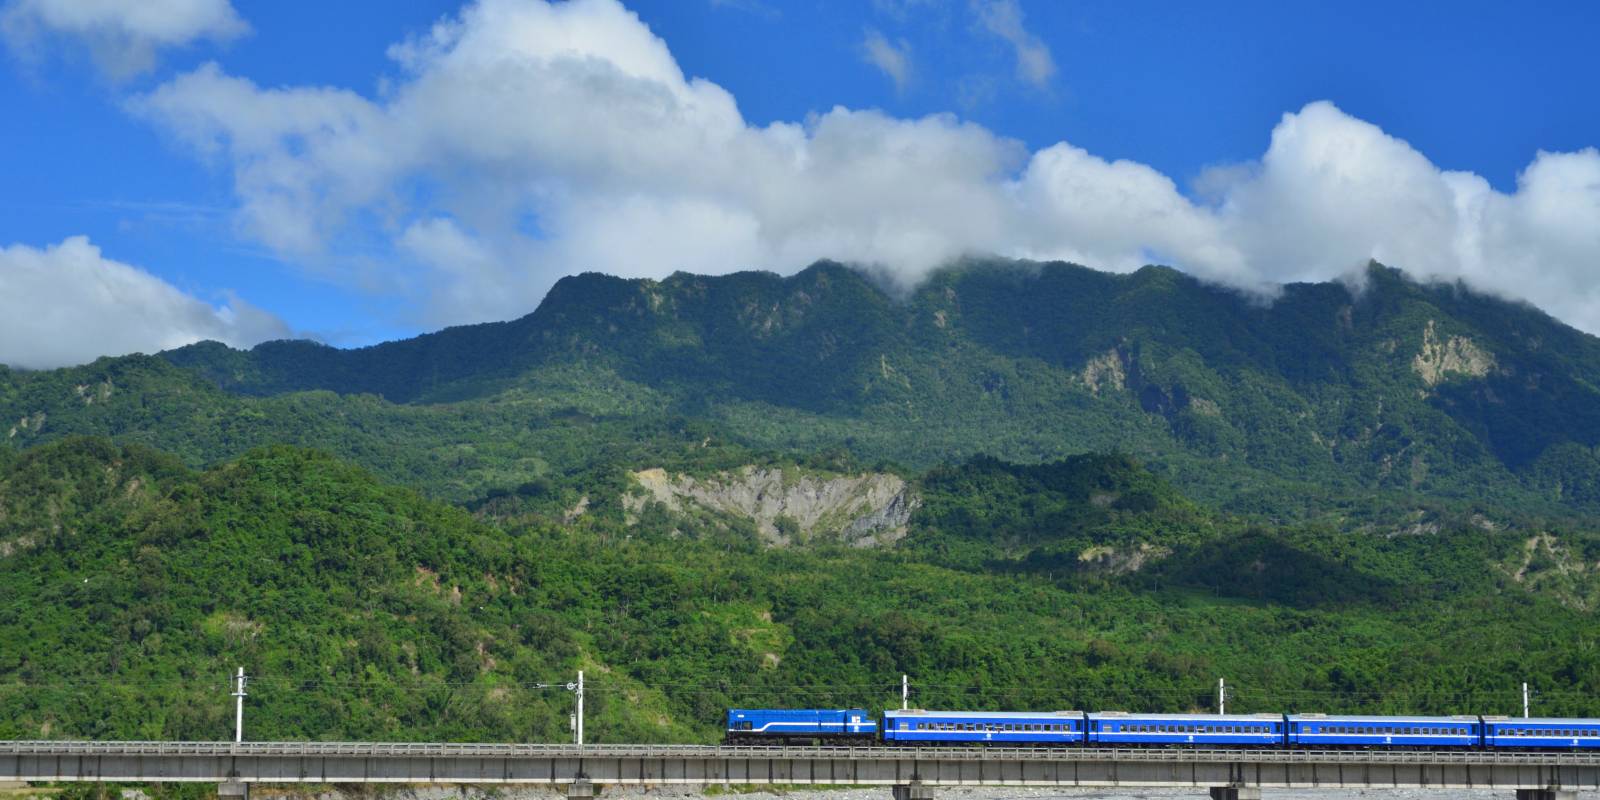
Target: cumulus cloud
123, 36
68, 304
1003, 18
524, 140
893, 58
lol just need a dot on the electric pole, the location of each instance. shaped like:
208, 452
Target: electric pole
580, 727
238, 707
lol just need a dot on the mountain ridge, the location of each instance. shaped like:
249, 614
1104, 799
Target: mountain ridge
1399, 387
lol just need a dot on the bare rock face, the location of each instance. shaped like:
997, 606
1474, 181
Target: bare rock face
1121, 561
1441, 358
790, 506
1105, 372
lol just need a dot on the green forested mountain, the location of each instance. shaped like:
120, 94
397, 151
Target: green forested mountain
1085, 489
1281, 408
133, 585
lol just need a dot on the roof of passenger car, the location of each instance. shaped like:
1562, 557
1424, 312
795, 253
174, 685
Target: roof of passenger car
920, 712
1542, 720
1377, 719
1191, 717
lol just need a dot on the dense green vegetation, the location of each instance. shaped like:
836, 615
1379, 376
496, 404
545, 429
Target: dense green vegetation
1328, 402
133, 585
1128, 486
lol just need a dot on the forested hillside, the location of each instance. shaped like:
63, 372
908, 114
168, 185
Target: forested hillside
1390, 390
133, 585
1025, 485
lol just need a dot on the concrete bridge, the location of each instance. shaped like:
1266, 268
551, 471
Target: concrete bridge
913, 773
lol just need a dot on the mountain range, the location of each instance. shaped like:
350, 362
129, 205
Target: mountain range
1284, 406
1026, 485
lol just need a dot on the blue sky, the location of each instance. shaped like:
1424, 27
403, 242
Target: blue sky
248, 170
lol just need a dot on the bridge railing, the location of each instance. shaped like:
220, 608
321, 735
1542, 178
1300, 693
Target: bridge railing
679, 751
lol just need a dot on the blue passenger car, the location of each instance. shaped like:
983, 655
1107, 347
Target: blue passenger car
1322, 730
983, 727
787, 725
1112, 728
1541, 732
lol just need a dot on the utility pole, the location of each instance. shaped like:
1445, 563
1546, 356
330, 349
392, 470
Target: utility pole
1222, 696
579, 728
1524, 699
238, 707
905, 692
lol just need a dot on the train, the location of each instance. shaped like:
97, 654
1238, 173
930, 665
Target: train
919, 727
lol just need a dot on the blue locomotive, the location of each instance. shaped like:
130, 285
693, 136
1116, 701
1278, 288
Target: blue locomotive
920, 727
799, 725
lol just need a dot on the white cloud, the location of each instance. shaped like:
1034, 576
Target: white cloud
523, 140
123, 36
1003, 18
893, 58
68, 304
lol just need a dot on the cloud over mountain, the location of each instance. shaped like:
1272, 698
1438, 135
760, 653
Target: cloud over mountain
523, 140
68, 304
123, 37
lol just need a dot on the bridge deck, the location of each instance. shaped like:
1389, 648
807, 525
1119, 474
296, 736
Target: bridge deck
405, 762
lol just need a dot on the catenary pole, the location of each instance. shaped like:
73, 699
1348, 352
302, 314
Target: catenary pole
1222, 696
1524, 699
239, 706
905, 692
579, 730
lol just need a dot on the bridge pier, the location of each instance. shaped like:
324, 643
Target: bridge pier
580, 789
239, 790
1546, 794
916, 791
1254, 793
